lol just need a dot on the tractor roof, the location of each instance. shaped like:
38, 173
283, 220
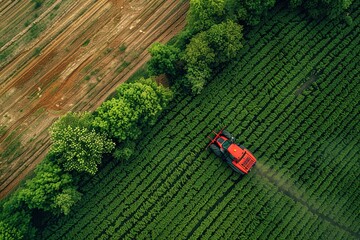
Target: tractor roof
236, 151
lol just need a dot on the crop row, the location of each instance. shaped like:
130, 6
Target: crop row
175, 189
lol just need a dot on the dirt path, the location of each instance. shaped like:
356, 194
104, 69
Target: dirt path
293, 193
79, 63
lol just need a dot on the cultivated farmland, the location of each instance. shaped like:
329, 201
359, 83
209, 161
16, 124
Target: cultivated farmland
292, 98
67, 56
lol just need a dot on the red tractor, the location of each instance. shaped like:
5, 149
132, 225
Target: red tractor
239, 158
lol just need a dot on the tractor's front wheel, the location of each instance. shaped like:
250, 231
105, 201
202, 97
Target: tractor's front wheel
227, 134
216, 150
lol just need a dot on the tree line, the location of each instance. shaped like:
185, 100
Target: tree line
212, 38
214, 35
79, 143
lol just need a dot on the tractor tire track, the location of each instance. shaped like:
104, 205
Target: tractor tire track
290, 192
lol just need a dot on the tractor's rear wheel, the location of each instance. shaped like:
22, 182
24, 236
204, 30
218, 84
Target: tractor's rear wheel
229, 161
216, 150
227, 134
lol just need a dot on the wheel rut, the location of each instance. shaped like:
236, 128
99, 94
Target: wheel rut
285, 189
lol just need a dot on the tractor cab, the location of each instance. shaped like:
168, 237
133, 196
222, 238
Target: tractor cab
223, 143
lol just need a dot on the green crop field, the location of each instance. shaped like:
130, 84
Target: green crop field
292, 98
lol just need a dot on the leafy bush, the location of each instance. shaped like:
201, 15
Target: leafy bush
248, 11
205, 13
51, 189
209, 49
136, 105
164, 59
76, 145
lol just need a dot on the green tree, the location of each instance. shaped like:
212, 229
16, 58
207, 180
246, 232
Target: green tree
16, 218
197, 77
249, 11
81, 120
77, 146
146, 98
47, 190
225, 40
135, 105
116, 118
199, 57
199, 52
208, 49
163, 60
65, 200
205, 13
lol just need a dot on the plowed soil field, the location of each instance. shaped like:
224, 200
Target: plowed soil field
68, 56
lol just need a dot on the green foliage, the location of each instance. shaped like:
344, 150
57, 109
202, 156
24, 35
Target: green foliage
318, 8
205, 13
249, 11
38, 3
349, 20
117, 119
199, 52
141, 72
305, 140
37, 51
8, 232
198, 57
5, 54
146, 97
15, 218
181, 39
13, 149
2, 130
197, 76
209, 49
35, 31
306, 181
66, 199
124, 151
51, 189
122, 66
137, 104
225, 40
163, 60
87, 41
122, 48
81, 120
77, 146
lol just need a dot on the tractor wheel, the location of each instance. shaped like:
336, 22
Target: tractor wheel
235, 169
229, 161
216, 150
227, 134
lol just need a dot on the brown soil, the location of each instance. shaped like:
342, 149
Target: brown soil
78, 64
